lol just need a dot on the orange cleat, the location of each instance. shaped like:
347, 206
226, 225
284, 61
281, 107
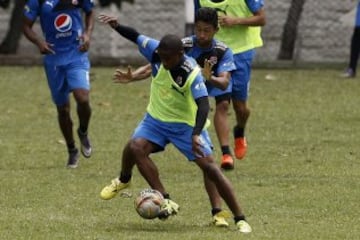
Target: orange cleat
240, 147
227, 162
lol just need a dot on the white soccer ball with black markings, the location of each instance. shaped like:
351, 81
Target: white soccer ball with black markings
148, 203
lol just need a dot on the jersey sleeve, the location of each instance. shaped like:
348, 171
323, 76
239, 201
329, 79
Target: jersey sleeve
198, 87
147, 46
255, 5
31, 9
88, 5
226, 63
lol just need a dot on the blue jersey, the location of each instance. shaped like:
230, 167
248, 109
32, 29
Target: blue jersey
219, 54
61, 22
253, 5
147, 47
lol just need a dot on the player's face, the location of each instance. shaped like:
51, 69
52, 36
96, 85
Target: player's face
204, 33
170, 59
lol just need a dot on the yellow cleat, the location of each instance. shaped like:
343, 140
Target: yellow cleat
219, 219
243, 226
111, 190
168, 208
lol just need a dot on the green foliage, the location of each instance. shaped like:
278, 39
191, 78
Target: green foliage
299, 180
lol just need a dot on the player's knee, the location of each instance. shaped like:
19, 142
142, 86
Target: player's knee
81, 96
212, 171
222, 106
136, 149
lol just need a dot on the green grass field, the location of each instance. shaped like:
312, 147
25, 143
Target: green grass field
300, 179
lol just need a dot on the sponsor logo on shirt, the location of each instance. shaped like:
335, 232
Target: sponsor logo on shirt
63, 24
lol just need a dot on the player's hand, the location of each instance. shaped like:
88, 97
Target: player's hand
85, 42
46, 48
207, 70
112, 21
197, 146
123, 77
227, 21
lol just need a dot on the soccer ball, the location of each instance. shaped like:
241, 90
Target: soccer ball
148, 203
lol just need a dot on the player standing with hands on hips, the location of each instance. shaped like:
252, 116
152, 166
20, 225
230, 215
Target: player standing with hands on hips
66, 63
176, 113
240, 22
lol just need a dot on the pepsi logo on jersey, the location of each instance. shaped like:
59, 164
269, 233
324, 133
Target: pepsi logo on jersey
63, 24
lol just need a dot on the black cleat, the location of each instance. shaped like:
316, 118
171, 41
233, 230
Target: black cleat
73, 158
85, 144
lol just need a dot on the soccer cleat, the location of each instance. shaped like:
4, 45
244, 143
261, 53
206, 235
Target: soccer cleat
85, 144
243, 226
168, 208
219, 219
240, 147
111, 190
73, 158
227, 162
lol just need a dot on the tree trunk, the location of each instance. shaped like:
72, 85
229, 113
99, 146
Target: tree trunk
11, 42
289, 34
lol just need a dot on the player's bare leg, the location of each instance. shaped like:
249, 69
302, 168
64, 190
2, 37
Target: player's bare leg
84, 113
219, 216
223, 131
66, 127
223, 187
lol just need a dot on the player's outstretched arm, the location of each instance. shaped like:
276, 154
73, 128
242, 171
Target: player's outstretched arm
140, 73
127, 32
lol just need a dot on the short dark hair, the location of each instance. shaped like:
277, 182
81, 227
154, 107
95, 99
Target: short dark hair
208, 15
171, 43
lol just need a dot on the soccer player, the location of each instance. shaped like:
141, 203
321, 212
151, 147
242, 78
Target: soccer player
176, 113
240, 27
66, 63
206, 50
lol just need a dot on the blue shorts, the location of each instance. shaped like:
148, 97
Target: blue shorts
179, 134
241, 76
62, 79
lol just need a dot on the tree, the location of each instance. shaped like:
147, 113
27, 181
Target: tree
10, 43
289, 34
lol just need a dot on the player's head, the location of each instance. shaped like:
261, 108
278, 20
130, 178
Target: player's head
170, 51
206, 25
